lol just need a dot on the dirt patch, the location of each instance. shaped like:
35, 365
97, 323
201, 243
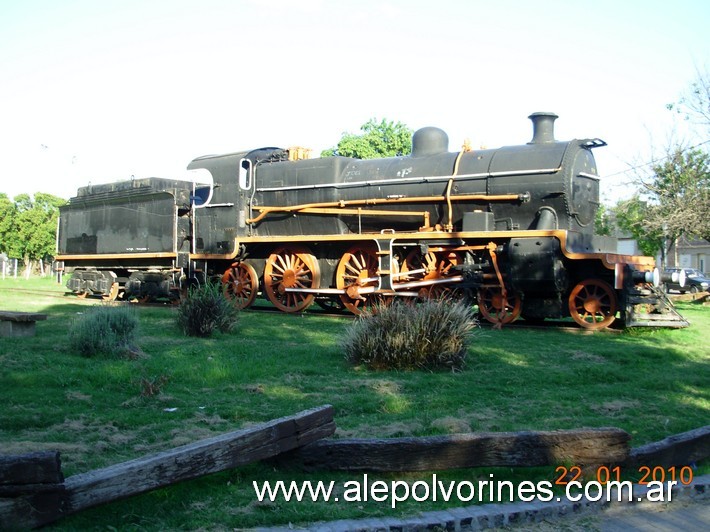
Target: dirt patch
380, 386
183, 436
30, 446
451, 425
391, 430
77, 396
588, 357
614, 408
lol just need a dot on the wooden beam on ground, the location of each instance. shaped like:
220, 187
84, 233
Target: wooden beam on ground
37, 496
196, 459
31, 510
31, 489
583, 447
42, 467
677, 450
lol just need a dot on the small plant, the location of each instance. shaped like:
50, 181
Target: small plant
433, 334
206, 309
152, 386
104, 330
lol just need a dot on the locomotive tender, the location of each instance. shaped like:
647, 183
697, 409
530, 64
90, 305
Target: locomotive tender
512, 228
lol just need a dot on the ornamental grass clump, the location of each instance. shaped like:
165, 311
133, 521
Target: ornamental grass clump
204, 310
432, 334
108, 330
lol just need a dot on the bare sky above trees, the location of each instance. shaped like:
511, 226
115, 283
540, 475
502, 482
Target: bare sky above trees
98, 91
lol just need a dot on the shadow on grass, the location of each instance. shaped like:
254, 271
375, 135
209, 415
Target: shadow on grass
649, 383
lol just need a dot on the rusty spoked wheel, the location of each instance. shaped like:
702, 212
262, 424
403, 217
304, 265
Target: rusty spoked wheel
435, 266
592, 304
112, 293
497, 309
240, 283
356, 273
291, 267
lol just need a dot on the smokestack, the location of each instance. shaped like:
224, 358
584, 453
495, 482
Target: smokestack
543, 127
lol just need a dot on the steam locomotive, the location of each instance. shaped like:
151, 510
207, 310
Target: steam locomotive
510, 228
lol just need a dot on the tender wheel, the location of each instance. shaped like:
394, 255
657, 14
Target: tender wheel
592, 304
291, 267
357, 272
142, 300
112, 294
495, 308
240, 283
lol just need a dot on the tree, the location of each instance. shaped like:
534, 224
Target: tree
694, 105
28, 226
603, 224
631, 215
674, 200
9, 242
379, 139
681, 185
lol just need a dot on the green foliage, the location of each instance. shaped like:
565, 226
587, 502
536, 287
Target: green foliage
681, 188
433, 334
7, 226
206, 309
602, 223
672, 202
632, 215
28, 226
108, 330
379, 139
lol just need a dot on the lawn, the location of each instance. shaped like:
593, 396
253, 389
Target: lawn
100, 411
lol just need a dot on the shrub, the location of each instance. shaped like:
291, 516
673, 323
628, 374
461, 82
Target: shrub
433, 334
104, 329
206, 309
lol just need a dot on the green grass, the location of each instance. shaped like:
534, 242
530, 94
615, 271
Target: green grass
103, 410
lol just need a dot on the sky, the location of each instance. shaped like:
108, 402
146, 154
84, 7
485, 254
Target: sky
98, 91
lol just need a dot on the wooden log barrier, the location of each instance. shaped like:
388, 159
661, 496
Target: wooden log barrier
677, 450
197, 459
31, 490
190, 461
42, 467
585, 447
